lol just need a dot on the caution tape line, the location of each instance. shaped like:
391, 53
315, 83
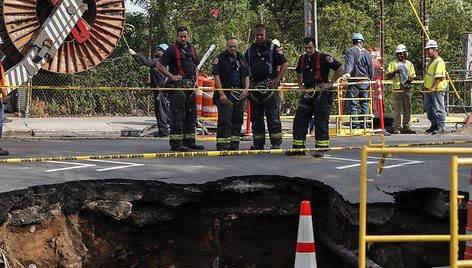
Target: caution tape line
281, 89
170, 155
211, 153
437, 143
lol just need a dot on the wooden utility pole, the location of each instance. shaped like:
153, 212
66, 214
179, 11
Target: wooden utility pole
311, 17
424, 40
382, 31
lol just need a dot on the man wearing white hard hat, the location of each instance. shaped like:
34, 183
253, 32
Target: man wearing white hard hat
434, 89
402, 72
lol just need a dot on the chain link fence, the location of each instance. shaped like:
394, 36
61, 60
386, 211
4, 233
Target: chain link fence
120, 72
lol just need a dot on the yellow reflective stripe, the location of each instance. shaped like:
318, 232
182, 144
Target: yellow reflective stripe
258, 136
176, 136
234, 138
299, 142
432, 74
396, 79
411, 69
322, 143
188, 136
276, 135
223, 140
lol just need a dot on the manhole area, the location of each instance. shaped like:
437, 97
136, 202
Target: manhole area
236, 222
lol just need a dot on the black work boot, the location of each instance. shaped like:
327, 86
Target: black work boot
320, 154
257, 147
432, 128
275, 146
407, 130
190, 143
196, 147
179, 149
234, 146
439, 131
4, 152
222, 147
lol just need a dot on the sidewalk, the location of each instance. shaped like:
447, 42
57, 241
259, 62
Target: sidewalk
77, 127
115, 127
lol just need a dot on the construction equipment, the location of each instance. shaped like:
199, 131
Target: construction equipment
61, 36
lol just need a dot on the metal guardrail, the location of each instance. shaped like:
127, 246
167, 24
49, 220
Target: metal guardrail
453, 237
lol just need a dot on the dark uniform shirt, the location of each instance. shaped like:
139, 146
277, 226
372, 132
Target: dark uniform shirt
259, 61
189, 61
157, 79
309, 68
231, 69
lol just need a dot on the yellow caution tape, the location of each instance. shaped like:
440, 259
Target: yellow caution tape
169, 155
214, 153
384, 82
381, 164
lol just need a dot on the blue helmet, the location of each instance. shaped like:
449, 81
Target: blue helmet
162, 47
357, 36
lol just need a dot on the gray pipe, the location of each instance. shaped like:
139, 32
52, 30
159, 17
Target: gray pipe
346, 254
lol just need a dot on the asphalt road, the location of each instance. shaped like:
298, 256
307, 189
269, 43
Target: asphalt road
338, 169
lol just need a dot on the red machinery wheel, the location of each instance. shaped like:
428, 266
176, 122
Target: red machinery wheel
104, 22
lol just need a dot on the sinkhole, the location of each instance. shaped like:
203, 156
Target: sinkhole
249, 221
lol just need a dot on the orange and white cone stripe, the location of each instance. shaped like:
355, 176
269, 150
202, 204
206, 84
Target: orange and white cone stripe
468, 229
305, 256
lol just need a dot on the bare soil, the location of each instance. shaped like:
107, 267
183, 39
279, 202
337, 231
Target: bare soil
236, 222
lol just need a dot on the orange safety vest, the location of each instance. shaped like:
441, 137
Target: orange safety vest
3, 83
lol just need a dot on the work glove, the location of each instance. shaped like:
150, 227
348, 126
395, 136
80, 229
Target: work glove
345, 76
132, 52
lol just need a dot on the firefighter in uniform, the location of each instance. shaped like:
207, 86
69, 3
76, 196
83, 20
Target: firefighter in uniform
182, 73
263, 57
312, 73
230, 71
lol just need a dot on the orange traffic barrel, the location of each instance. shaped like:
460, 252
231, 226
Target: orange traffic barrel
199, 96
199, 93
201, 78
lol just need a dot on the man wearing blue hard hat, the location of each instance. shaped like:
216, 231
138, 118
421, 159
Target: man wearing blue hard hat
358, 64
161, 102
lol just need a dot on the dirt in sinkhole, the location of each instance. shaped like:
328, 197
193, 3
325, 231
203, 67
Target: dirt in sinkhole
236, 222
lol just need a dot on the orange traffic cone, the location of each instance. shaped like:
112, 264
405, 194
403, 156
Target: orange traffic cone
305, 256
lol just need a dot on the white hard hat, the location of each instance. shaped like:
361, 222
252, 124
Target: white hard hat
431, 44
276, 42
400, 48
